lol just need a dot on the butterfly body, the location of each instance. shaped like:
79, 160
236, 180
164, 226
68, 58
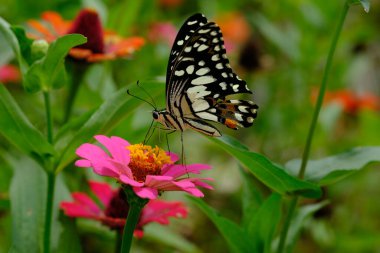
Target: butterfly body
198, 80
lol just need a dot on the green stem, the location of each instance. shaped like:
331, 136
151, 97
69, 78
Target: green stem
49, 210
306, 153
49, 121
50, 177
78, 70
136, 204
118, 241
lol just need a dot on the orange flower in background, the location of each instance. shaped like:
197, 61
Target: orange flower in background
235, 29
101, 45
170, 3
9, 74
352, 102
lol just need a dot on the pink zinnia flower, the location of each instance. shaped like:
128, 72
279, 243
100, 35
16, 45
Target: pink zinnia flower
115, 208
9, 74
146, 169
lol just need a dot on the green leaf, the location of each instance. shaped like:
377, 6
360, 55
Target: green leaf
17, 129
10, 37
24, 43
112, 111
299, 219
332, 169
49, 71
263, 223
364, 3
27, 194
234, 235
28, 201
270, 174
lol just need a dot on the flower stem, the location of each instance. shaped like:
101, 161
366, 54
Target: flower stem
49, 121
78, 70
118, 241
305, 156
49, 210
50, 177
136, 204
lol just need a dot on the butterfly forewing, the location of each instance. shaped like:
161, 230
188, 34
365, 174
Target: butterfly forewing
199, 78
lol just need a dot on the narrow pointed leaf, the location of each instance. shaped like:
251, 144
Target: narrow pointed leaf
269, 173
263, 223
17, 129
234, 235
334, 168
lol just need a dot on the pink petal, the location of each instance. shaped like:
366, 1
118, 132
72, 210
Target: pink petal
86, 202
145, 192
157, 181
116, 146
178, 170
75, 210
173, 157
160, 211
83, 163
91, 152
129, 181
103, 191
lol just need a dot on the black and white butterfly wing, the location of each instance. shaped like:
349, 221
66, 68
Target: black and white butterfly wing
199, 78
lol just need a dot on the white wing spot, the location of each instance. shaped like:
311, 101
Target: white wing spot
254, 111
187, 49
231, 75
235, 87
223, 85
219, 66
202, 71
196, 44
200, 105
190, 69
179, 72
216, 95
203, 80
215, 57
204, 30
238, 116
206, 115
202, 47
201, 63
214, 33
238, 78
249, 119
215, 40
224, 74
212, 110
187, 36
180, 42
217, 48
224, 56
192, 22
243, 108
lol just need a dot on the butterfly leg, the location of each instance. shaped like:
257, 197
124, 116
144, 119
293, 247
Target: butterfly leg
146, 139
167, 139
183, 155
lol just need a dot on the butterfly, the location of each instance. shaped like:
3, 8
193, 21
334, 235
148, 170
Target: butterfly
199, 79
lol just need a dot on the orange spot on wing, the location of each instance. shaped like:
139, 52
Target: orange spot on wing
231, 123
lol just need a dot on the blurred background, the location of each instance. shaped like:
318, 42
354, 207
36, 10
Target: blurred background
280, 50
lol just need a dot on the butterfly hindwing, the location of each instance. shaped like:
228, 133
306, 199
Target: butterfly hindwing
199, 78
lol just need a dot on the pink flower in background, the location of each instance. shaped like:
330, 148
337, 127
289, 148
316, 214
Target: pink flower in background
9, 74
115, 208
162, 32
147, 170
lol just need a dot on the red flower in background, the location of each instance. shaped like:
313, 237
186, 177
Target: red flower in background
351, 101
235, 28
115, 208
162, 32
170, 3
101, 45
9, 74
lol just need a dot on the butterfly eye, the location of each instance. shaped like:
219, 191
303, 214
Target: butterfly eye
155, 115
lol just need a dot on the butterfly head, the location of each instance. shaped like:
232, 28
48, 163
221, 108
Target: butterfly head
159, 116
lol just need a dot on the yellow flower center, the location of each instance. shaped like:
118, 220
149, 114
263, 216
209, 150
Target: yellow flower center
146, 160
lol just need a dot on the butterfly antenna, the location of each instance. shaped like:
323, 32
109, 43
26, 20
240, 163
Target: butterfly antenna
146, 92
146, 101
146, 139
